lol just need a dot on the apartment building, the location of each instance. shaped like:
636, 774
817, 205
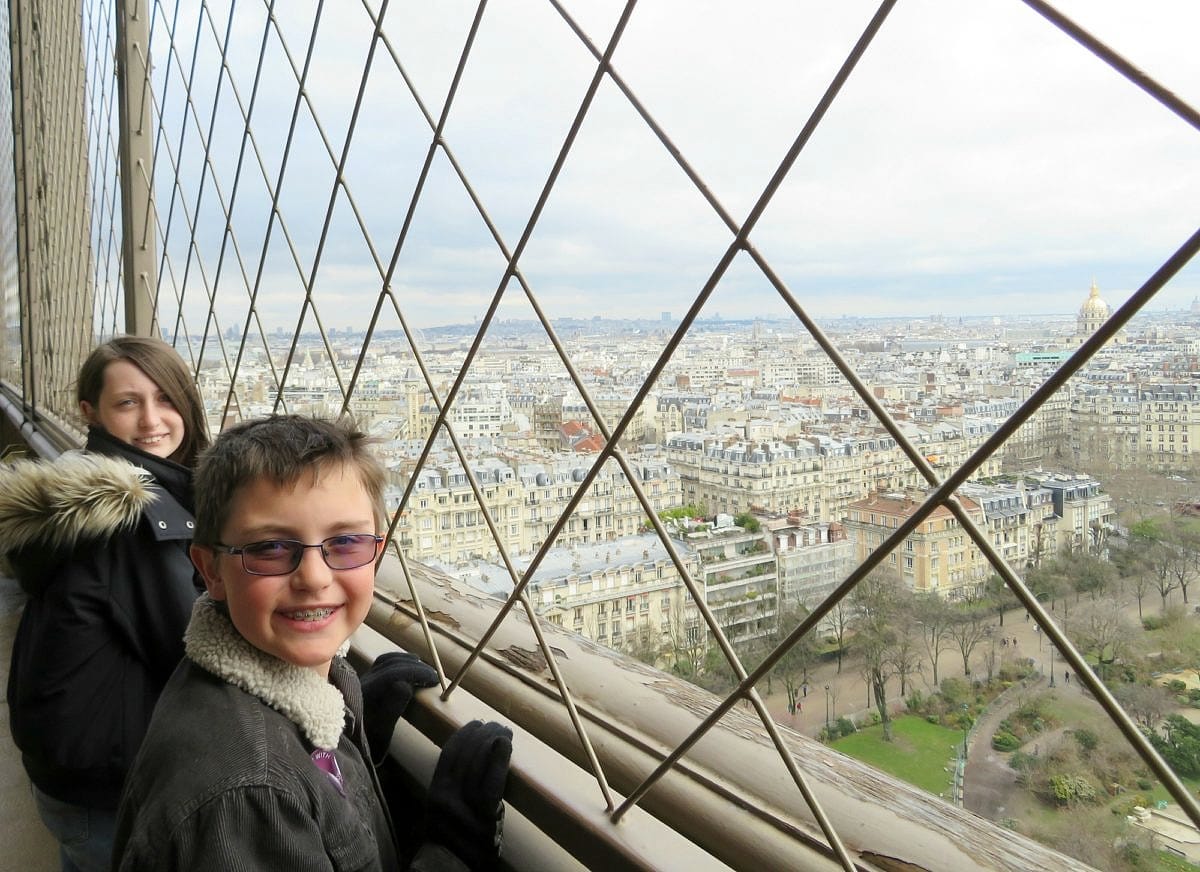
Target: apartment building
812, 371
682, 412
739, 575
812, 559
938, 557
1020, 520
444, 521
1085, 514
626, 594
1170, 425
732, 475
526, 495
855, 465
610, 510
1106, 426
1047, 431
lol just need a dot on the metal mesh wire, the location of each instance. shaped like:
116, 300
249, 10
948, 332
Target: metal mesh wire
303, 175
54, 195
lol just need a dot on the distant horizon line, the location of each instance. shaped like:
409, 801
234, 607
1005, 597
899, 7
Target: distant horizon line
718, 319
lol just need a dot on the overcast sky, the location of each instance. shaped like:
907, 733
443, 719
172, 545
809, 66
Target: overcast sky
978, 161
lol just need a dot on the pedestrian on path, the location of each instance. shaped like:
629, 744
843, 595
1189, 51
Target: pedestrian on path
1067, 676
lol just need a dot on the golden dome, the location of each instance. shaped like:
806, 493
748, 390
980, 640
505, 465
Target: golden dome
1092, 314
1094, 306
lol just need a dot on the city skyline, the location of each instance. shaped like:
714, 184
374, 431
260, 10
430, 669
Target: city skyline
1065, 317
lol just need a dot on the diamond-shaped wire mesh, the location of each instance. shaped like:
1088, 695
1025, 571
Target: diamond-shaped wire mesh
335, 183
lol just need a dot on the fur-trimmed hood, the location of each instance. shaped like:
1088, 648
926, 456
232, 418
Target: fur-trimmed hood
79, 497
296, 692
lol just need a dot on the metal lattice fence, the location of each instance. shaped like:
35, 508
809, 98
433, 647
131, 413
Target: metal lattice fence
331, 182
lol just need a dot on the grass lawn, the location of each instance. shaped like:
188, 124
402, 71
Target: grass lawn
1160, 792
1171, 863
1075, 711
918, 753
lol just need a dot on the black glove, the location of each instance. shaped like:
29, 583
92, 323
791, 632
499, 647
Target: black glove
387, 689
465, 808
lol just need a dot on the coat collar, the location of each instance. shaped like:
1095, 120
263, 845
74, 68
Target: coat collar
296, 692
79, 497
174, 478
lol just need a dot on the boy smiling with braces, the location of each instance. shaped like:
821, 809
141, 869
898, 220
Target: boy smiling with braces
258, 755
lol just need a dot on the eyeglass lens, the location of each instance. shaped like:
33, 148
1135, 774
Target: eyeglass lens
281, 556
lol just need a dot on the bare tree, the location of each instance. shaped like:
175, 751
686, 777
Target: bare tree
1102, 630
1161, 559
1001, 596
989, 658
793, 667
1047, 581
839, 621
1087, 573
686, 636
967, 630
1189, 539
906, 657
1038, 546
933, 617
1183, 567
877, 605
1134, 570
1147, 704
1159, 555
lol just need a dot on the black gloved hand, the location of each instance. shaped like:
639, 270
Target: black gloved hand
465, 808
387, 689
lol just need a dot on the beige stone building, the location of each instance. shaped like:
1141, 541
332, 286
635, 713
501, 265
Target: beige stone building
443, 521
1170, 425
1085, 514
626, 594
733, 476
1019, 520
1106, 427
938, 557
526, 495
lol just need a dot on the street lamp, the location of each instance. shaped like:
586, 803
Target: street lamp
827, 706
966, 725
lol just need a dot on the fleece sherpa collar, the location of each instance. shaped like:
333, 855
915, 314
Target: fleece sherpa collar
296, 692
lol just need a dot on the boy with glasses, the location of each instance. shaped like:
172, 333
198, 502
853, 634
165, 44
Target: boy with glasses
258, 756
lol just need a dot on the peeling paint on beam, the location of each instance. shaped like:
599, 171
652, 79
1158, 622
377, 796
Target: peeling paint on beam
731, 794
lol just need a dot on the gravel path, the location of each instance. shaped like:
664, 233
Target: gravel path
989, 782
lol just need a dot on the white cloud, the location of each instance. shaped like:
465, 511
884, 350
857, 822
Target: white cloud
976, 156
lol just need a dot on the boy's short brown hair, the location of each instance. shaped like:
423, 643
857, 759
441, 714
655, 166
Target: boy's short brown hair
279, 448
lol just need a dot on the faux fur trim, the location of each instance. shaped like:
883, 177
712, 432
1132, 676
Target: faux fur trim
296, 692
76, 498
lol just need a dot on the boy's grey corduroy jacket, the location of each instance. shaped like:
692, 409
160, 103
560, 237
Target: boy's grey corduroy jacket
226, 779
